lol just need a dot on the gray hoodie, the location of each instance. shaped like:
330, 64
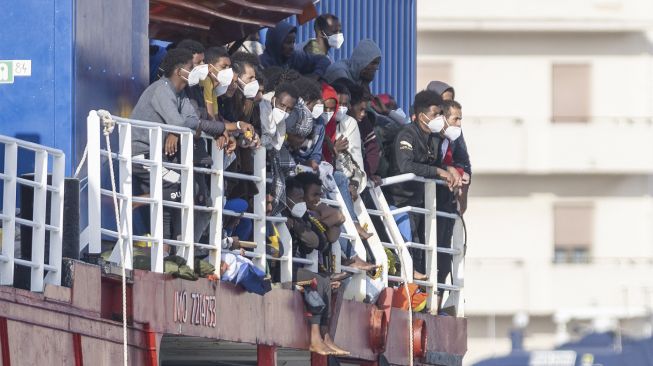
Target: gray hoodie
440, 87
364, 53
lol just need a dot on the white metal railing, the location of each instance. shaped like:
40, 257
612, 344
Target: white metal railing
186, 243
41, 272
431, 215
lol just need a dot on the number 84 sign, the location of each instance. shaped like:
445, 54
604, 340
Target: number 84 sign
12, 68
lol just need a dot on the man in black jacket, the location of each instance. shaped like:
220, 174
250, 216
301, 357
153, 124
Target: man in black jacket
416, 150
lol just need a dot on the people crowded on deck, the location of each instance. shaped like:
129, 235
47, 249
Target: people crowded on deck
322, 130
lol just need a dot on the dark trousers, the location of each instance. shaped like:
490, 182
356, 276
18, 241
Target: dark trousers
324, 289
446, 203
171, 192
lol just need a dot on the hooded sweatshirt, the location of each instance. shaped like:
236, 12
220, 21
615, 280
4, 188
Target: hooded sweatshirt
440, 87
300, 60
364, 53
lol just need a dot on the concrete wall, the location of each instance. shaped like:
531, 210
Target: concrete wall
499, 56
512, 103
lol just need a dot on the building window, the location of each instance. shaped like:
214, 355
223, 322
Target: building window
573, 232
428, 71
570, 92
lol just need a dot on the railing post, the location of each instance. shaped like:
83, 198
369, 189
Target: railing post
9, 212
38, 218
217, 199
394, 233
357, 287
125, 206
431, 239
259, 209
156, 192
286, 261
457, 298
187, 199
375, 241
56, 219
94, 194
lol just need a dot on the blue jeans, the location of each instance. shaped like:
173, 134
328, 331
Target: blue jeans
403, 223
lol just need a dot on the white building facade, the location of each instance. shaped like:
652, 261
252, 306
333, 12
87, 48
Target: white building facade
557, 103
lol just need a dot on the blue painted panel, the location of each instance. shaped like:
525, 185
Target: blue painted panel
111, 59
38, 106
391, 24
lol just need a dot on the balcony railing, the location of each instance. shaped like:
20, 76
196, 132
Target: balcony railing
41, 272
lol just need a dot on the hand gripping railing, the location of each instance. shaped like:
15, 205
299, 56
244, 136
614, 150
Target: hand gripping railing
431, 215
38, 223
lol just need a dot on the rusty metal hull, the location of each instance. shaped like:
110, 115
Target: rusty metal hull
65, 324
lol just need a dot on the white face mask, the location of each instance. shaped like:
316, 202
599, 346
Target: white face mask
342, 113
187, 80
336, 40
220, 89
453, 132
250, 89
299, 209
327, 116
436, 124
197, 74
317, 111
278, 114
226, 76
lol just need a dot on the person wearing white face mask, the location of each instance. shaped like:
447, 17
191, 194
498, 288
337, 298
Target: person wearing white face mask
220, 77
305, 142
328, 35
451, 120
246, 89
453, 156
273, 110
416, 151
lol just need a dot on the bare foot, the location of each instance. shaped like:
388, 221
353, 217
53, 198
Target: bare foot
321, 348
338, 351
419, 276
361, 264
362, 232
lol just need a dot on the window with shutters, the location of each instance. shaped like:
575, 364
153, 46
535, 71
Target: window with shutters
573, 232
571, 92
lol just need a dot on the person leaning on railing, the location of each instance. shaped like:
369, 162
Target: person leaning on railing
165, 102
416, 151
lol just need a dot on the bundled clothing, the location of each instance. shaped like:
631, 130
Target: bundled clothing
364, 53
351, 163
303, 62
241, 271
